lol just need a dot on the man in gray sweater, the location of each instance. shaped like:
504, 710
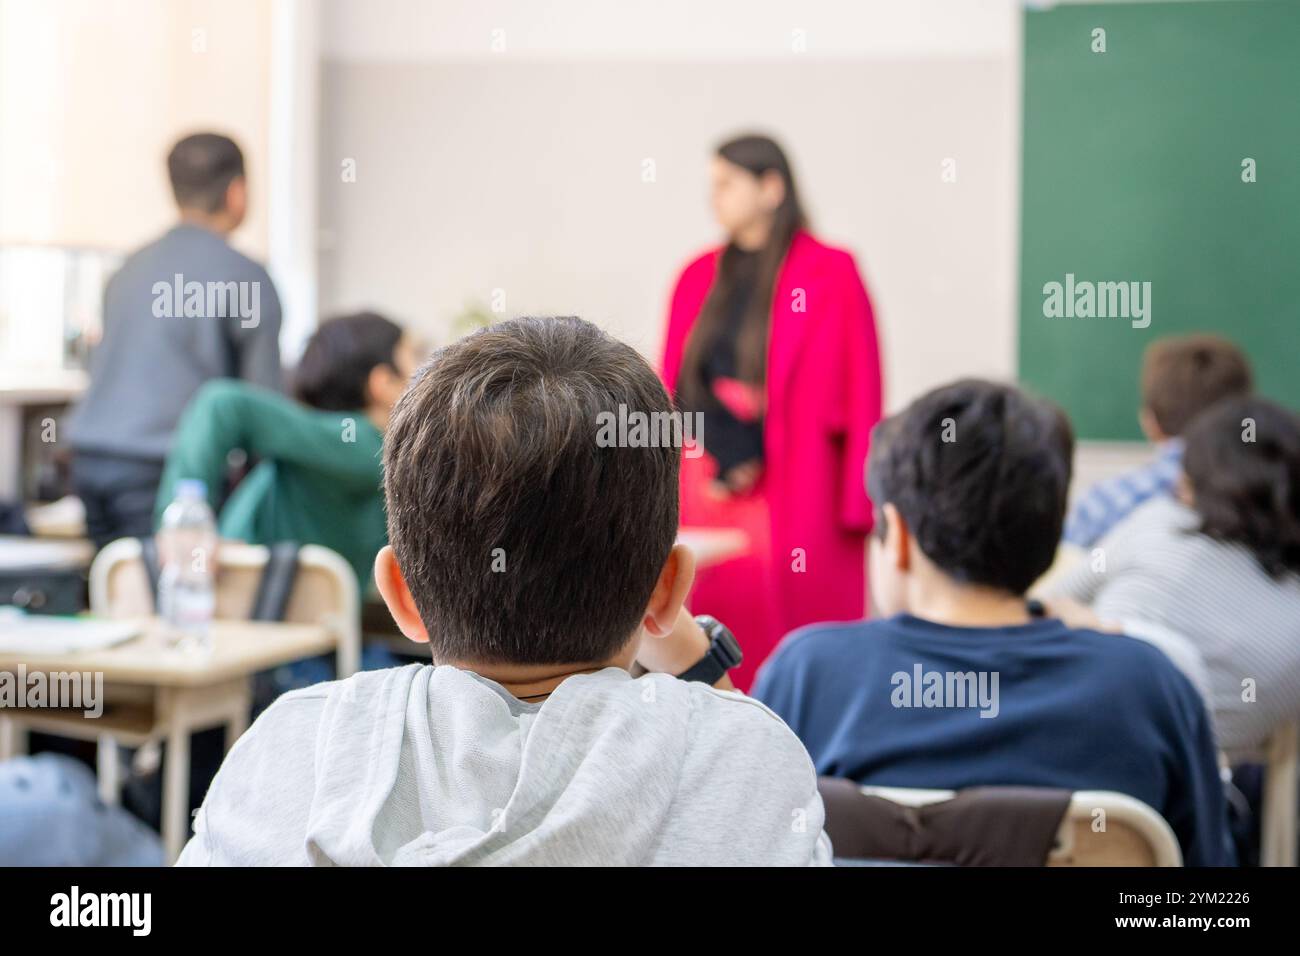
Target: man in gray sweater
184, 309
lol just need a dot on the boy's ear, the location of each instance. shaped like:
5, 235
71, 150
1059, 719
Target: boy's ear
380, 387
898, 538
237, 198
675, 580
1150, 428
393, 589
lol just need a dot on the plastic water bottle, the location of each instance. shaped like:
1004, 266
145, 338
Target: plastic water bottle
187, 542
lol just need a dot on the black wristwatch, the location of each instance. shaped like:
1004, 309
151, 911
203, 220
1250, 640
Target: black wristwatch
723, 654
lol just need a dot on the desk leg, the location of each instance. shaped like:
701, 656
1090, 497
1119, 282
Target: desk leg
238, 721
1278, 814
176, 789
11, 451
182, 711
13, 738
108, 769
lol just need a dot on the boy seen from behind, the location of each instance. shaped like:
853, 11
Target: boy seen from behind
960, 685
539, 566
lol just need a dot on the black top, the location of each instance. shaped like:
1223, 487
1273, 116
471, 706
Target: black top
730, 440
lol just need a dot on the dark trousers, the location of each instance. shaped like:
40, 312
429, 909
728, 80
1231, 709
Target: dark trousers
119, 494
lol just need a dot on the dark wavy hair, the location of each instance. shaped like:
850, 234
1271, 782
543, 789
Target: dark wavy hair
757, 155
1242, 460
339, 358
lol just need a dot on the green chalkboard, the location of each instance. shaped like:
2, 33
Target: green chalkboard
1133, 172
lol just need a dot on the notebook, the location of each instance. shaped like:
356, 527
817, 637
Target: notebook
52, 634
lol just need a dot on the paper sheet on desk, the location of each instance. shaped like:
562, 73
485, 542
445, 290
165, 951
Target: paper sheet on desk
30, 634
26, 554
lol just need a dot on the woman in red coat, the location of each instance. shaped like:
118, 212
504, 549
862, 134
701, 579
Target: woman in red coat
771, 340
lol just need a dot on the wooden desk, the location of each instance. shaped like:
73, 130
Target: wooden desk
18, 389
19, 553
153, 692
45, 577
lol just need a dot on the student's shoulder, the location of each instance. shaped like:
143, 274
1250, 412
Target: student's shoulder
1153, 525
220, 390
1162, 511
365, 692
699, 268
224, 390
222, 255
267, 764
145, 265
236, 403
1108, 646
838, 262
217, 260
731, 721
830, 643
1131, 661
292, 719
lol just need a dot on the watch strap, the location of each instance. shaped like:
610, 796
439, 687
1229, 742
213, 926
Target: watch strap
718, 659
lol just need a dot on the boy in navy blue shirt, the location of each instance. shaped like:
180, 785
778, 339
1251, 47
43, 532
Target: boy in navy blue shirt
961, 686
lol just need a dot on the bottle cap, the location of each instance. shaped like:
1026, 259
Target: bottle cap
192, 488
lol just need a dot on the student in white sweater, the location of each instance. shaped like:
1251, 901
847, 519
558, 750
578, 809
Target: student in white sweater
1219, 564
538, 565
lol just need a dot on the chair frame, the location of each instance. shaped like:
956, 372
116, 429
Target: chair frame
1281, 797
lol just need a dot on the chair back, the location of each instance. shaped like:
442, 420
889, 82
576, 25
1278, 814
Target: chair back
995, 826
324, 589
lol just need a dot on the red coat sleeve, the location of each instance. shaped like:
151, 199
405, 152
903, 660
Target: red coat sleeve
861, 391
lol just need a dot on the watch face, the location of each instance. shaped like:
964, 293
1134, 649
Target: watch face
729, 646
722, 643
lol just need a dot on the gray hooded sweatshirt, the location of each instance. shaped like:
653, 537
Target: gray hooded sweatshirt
436, 766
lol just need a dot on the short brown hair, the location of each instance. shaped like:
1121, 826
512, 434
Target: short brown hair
1184, 375
521, 537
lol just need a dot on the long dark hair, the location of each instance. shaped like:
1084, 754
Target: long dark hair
335, 367
1243, 462
757, 155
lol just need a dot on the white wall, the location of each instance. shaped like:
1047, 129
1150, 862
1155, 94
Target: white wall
520, 169
94, 92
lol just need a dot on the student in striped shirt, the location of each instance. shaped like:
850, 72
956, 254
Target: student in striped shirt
1181, 377
1219, 563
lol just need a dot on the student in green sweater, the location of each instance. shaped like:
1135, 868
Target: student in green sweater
317, 478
